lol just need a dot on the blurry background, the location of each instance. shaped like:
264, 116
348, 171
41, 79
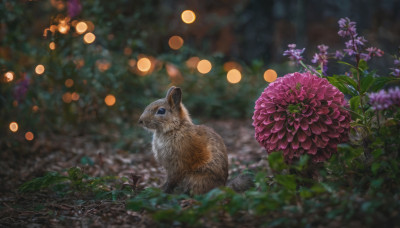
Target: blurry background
90, 67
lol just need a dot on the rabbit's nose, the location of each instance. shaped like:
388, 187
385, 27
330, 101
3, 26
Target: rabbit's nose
140, 121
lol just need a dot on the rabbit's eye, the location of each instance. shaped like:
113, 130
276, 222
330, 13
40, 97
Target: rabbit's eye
161, 111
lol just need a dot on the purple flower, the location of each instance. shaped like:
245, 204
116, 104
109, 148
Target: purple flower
323, 49
74, 8
339, 55
294, 54
322, 57
365, 56
383, 100
394, 94
372, 51
396, 72
347, 28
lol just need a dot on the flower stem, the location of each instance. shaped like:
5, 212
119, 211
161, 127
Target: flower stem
307, 68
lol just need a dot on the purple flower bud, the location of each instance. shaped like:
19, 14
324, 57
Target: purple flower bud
375, 51
339, 55
347, 28
294, 54
365, 56
323, 49
396, 72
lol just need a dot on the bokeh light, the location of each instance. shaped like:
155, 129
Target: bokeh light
270, 75
132, 63
67, 97
35, 108
52, 46
89, 38
81, 27
234, 76
175, 42
110, 100
9, 76
13, 126
69, 83
90, 26
128, 51
144, 64
172, 70
63, 28
103, 65
75, 96
192, 62
204, 66
39, 69
232, 65
29, 136
188, 16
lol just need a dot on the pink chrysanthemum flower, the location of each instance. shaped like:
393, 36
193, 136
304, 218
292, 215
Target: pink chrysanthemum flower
301, 113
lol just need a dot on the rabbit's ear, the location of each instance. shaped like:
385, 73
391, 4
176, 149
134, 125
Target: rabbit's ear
169, 91
174, 97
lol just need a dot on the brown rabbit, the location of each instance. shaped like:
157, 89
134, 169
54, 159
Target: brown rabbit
194, 156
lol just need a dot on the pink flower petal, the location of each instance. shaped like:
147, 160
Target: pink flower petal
301, 136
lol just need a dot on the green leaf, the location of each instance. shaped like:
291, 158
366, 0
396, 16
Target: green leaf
362, 65
39, 183
347, 80
345, 84
345, 63
355, 103
375, 167
288, 181
276, 161
380, 82
367, 82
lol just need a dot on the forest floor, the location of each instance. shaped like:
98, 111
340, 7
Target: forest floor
59, 152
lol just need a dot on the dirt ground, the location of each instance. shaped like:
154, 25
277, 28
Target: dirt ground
60, 152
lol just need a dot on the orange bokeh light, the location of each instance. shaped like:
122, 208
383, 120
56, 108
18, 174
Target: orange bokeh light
234, 76
75, 96
69, 83
9, 76
67, 97
81, 27
63, 28
270, 75
39, 69
192, 62
188, 16
52, 45
232, 65
13, 126
204, 66
144, 64
175, 42
35, 108
110, 100
29, 136
89, 38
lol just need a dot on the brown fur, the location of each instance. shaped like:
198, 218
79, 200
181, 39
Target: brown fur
194, 156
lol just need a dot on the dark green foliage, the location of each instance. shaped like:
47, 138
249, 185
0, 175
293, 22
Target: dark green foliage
107, 187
